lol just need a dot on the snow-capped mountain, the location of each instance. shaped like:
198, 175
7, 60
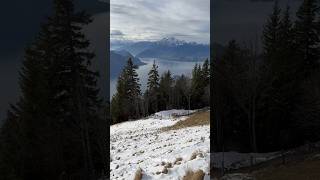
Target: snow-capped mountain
169, 48
178, 50
171, 41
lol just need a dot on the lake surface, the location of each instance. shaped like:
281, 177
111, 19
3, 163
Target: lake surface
176, 68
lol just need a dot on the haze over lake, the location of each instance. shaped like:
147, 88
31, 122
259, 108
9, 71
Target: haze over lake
176, 68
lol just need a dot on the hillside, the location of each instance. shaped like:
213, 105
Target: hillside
118, 60
145, 147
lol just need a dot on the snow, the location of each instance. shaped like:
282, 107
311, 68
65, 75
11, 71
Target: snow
141, 144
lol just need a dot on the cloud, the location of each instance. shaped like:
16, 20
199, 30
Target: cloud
153, 20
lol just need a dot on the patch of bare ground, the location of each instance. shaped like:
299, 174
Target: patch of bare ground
197, 175
307, 170
301, 164
196, 119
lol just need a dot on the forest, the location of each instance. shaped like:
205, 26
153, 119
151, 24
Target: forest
58, 128
269, 99
163, 92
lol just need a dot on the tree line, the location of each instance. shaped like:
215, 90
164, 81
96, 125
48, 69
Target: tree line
270, 100
58, 128
163, 92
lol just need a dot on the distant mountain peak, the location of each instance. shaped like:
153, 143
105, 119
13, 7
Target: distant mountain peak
171, 41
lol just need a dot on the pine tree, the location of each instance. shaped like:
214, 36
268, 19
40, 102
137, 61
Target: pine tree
206, 72
165, 91
119, 102
59, 111
181, 92
271, 34
230, 98
10, 148
76, 83
33, 107
205, 99
307, 35
126, 103
132, 89
153, 87
307, 42
197, 86
287, 61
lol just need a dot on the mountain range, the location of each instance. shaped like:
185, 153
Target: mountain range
167, 48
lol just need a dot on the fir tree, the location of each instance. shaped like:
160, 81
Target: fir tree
165, 91
307, 35
197, 86
206, 83
126, 103
153, 87
271, 34
132, 89
206, 72
59, 110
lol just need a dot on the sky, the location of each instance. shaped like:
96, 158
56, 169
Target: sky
243, 20
150, 20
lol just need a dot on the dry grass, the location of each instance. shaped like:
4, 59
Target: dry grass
168, 165
178, 161
165, 170
190, 175
196, 119
193, 156
138, 174
307, 170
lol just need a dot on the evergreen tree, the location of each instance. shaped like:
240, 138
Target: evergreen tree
197, 86
165, 91
126, 102
271, 34
153, 87
280, 93
118, 102
10, 148
59, 118
307, 40
132, 89
206, 72
231, 99
307, 35
75, 86
31, 111
181, 92
206, 83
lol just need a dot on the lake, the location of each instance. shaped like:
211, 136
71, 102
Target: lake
176, 68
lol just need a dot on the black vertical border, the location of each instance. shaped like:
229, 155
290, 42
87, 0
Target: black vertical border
211, 78
108, 115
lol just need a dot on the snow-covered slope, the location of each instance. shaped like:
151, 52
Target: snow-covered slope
141, 144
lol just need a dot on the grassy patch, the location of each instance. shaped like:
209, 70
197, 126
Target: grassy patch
196, 119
